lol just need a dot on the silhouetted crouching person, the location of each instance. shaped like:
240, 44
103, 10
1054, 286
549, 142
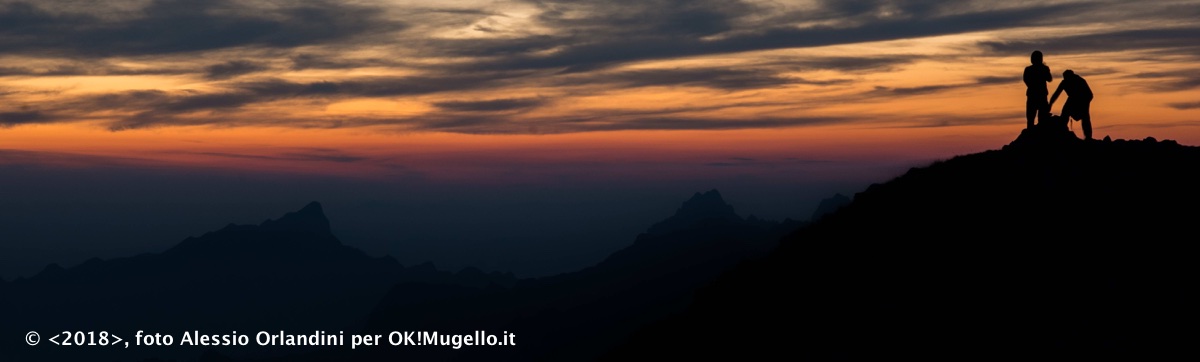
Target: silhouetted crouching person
1079, 100
1036, 77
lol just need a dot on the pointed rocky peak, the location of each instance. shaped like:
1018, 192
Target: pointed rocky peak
307, 226
311, 218
707, 206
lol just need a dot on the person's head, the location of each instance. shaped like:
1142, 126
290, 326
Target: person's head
1036, 57
1068, 73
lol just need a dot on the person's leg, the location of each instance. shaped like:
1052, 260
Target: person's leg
1031, 111
1085, 117
1043, 111
1087, 127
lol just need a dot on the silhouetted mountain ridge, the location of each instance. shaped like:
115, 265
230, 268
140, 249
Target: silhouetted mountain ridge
701, 207
578, 315
300, 233
311, 218
829, 205
285, 273
1051, 247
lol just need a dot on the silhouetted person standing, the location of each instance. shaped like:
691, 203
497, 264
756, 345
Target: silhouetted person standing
1036, 77
1079, 100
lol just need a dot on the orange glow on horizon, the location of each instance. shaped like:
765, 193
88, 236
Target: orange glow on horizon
364, 153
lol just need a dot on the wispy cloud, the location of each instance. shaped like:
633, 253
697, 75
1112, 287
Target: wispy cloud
232, 69
1170, 81
63, 27
16, 118
290, 156
1180, 38
492, 105
1185, 105
883, 93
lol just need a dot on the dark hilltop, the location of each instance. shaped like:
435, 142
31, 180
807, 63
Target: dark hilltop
1049, 248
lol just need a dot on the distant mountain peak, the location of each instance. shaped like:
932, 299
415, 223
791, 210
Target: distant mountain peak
701, 207
706, 205
829, 205
310, 218
307, 226
707, 196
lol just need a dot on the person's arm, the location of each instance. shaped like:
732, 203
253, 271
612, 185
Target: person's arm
1057, 92
1049, 76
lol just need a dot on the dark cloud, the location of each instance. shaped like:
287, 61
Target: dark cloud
951, 120
175, 26
8, 119
494, 105
290, 156
728, 78
690, 18
144, 108
766, 163
1170, 81
912, 91
998, 80
161, 102
1184, 105
686, 123
371, 86
717, 78
44, 158
456, 11
879, 91
232, 69
497, 48
588, 44
271, 89
85, 70
1178, 84
482, 124
1124, 40
214, 101
851, 64
1181, 84
497, 123
874, 9
315, 61
134, 109
1150, 125
378, 86
616, 114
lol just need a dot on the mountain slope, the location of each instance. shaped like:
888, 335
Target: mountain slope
1050, 248
577, 316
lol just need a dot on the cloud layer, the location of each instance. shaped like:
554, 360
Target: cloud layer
542, 65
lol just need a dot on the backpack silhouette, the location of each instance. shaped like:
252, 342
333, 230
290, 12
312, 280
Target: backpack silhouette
1054, 123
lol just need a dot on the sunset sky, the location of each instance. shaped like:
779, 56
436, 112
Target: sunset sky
753, 97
